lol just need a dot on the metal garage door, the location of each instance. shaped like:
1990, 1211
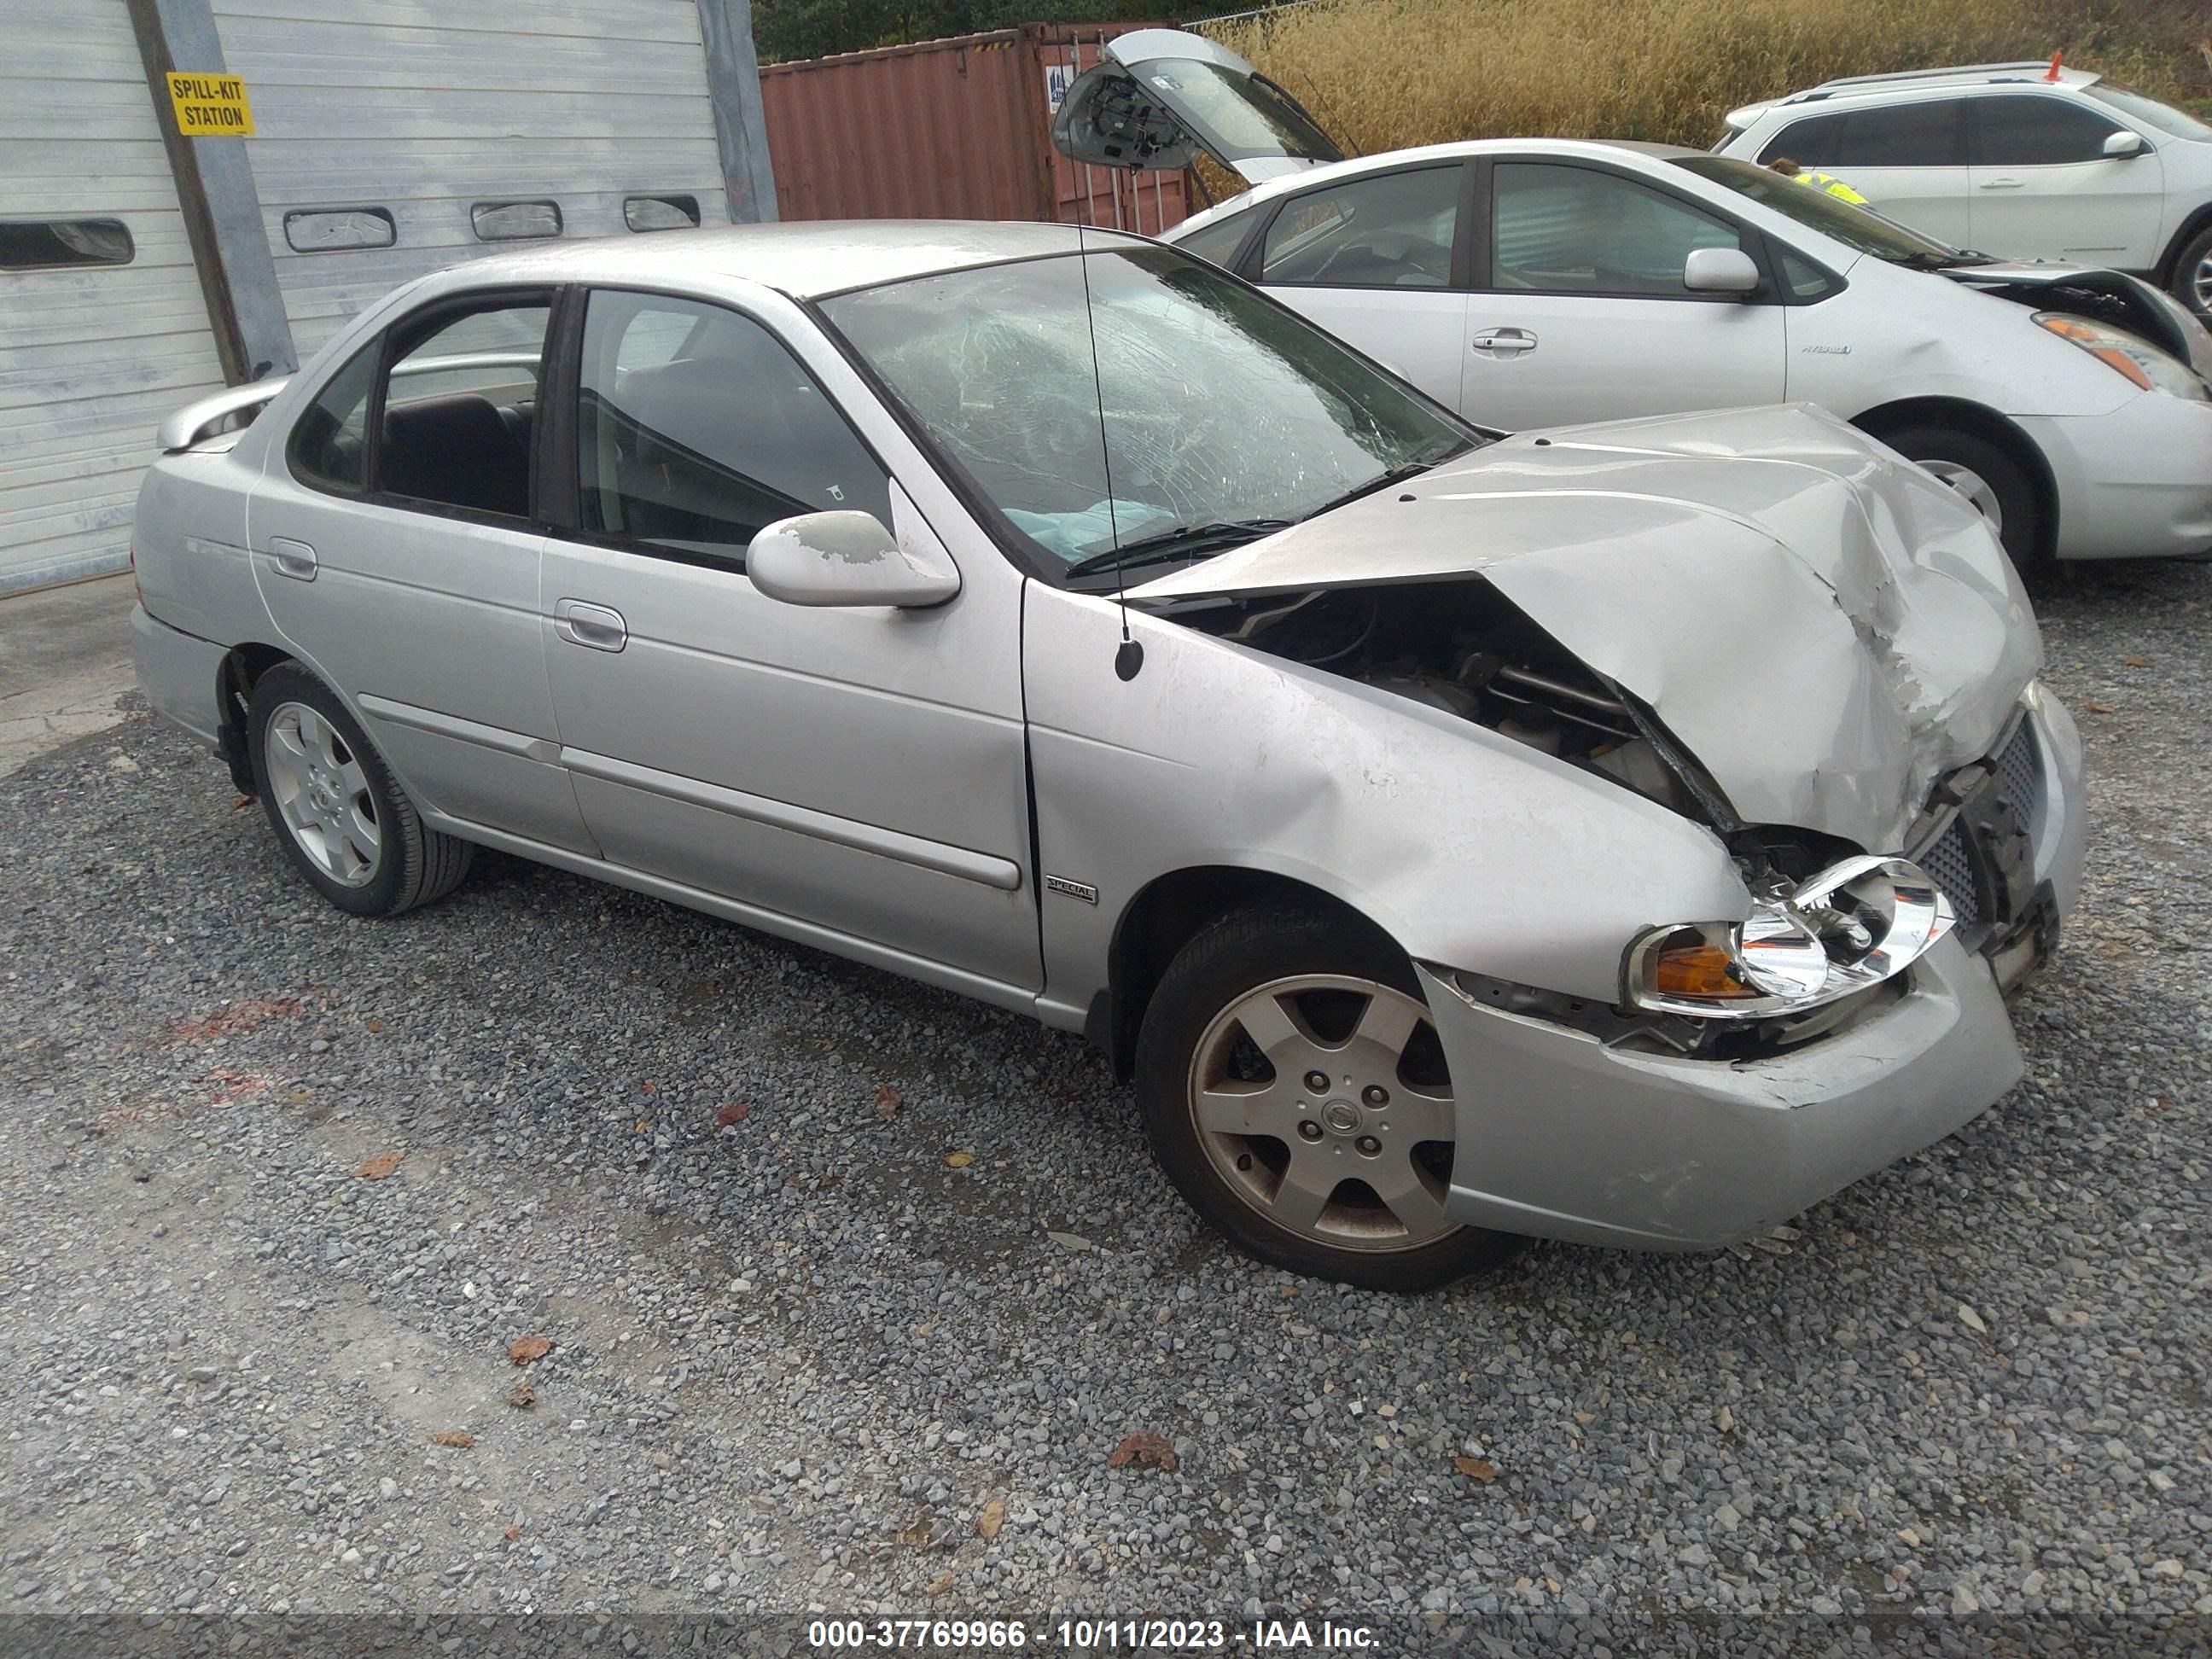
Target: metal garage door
426, 111
92, 354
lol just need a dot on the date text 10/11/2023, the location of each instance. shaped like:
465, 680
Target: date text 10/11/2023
1090, 1635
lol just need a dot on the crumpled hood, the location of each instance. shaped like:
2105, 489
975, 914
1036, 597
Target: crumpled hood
1824, 626
2150, 311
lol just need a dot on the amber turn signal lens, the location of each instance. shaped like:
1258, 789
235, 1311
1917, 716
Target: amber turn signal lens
1696, 970
2093, 341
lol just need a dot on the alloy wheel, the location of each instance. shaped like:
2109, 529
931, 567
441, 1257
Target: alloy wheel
1323, 1102
1975, 487
323, 794
2200, 286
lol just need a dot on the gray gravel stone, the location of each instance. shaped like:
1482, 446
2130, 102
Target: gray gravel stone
796, 1356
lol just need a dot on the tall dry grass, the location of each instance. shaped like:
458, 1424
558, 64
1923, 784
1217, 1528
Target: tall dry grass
1381, 74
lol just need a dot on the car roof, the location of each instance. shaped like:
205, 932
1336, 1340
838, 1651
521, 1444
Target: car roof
1854, 88
805, 260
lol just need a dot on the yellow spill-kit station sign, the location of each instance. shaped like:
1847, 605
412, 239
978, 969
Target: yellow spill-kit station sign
210, 106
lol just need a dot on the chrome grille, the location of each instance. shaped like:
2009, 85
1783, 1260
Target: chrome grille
1946, 866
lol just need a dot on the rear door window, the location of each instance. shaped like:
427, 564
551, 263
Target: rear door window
1391, 230
459, 407
2023, 129
1928, 134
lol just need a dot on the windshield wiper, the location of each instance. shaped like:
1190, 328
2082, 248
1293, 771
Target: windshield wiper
1182, 542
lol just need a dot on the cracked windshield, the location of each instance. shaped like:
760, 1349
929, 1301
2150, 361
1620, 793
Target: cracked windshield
1211, 417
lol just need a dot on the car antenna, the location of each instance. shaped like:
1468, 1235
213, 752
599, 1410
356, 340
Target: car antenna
1129, 656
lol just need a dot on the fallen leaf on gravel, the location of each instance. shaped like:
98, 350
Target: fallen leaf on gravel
730, 1114
375, 1026
937, 1585
513, 1532
1143, 1448
522, 1395
524, 1349
242, 802
917, 1534
1773, 1247
992, 1517
379, 1166
2137, 662
1476, 1468
888, 1100
452, 1437
2097, 707
958, 1160
1069, 1241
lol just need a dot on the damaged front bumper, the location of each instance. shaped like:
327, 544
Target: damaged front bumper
1565, 1135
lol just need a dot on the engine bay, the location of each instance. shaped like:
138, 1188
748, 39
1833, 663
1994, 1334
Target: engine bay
1459, 646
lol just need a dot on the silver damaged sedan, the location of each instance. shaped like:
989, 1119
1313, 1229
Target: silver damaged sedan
1624, 833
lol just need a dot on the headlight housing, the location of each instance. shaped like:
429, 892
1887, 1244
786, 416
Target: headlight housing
1852, 926
2125, 354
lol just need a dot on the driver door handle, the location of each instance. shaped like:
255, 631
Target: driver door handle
594, 627
1504, 341
2002, 183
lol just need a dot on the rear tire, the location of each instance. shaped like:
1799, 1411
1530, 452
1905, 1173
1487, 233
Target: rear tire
1345, 1180
340, 816
1986, 474
2192, 275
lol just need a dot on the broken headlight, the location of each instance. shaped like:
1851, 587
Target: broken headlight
1850, 926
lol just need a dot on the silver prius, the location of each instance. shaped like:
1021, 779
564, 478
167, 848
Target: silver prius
1623, 833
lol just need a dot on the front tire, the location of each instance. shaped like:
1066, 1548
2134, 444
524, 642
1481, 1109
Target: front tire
2192, 275
340, 816
1985, 475
1294, 1090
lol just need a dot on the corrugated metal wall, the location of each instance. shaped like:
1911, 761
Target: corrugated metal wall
426, 107
955, 129
90, 359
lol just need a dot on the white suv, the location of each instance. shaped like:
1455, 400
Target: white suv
2018, 160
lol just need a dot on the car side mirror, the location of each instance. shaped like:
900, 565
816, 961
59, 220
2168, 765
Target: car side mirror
2122, 144
847, 559
1720, 271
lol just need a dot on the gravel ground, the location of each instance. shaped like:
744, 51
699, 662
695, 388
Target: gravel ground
870, 1345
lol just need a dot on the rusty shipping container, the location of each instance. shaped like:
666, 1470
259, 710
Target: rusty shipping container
956, 128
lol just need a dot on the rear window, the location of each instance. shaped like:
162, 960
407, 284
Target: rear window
338, 230
643, 213
514, 221
57, 243
1930, 134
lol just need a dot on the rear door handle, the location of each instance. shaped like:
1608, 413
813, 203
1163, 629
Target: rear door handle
594, 627
2002, 183
1504, 341
294, 559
